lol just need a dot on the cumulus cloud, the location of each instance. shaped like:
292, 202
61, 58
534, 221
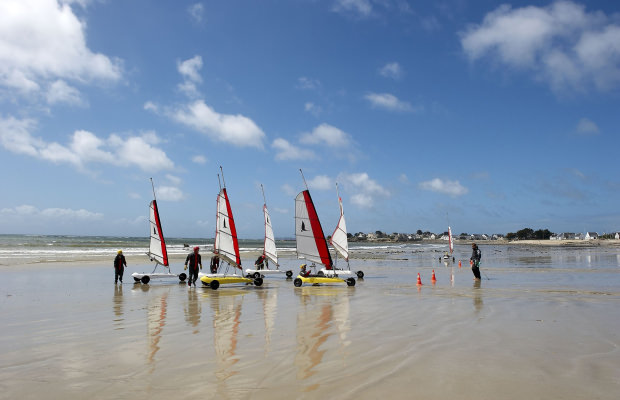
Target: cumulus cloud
190, 71
565, 46
321, 182
43, 41
84, 147
288, 151
391, 70
390, 102
52, 213
587, 127
61, 92
196, 12
328, 135
365, 190
237, 129
169, 193
452, 188
313, 109
199, 159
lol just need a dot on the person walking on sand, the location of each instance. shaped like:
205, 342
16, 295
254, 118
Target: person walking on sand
476, 255
261, 262
119, 266
215, 264
194, 261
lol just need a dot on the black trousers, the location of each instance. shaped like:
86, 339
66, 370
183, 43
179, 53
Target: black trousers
193, 276
118, 274
475, 268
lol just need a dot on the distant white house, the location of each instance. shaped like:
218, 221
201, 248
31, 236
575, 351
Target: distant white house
617, 235
580, 236
591, 235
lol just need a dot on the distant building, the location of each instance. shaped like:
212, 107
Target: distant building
580, 236
617, 235
591, 235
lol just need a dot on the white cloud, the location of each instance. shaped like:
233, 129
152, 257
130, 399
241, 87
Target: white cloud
313, 109
61, 92
190, 71
199, 159
150, 106
169, 193
390, 102
562, 44
403, 179
327, 134
44, 41
196, 12
587, 127
237, 129
366, 190
84, 147
287, 151
175, 180
52, 213
391, 70
321, 182
362, 8
305, 83
452, 188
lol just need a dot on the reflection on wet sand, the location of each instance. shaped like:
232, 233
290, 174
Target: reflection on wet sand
117, 302
477, 296
193, 309
156, 320
320, 308
226, 306
269, 299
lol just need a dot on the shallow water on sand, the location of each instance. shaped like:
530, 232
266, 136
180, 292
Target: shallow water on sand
543, 323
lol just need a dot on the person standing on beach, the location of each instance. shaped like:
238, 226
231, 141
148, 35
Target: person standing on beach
119, 266
476, 255
194, 261
261, 262
215, 264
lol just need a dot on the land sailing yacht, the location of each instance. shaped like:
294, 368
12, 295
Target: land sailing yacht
340, 242
311, 243
270, 253
157, 249
226, 246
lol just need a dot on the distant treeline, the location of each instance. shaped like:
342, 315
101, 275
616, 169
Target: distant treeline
530, 234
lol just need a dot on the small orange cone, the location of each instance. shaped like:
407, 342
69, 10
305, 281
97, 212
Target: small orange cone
419, 280
459, 263
433, 279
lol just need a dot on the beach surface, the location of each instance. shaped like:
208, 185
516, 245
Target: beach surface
543, 323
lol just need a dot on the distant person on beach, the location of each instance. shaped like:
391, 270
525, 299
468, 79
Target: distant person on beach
476, 255
119, 266
215, 264
194, 261
261, 262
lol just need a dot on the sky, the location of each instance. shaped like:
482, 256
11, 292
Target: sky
488, 116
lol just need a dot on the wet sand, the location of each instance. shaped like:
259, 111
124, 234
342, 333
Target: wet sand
545, 324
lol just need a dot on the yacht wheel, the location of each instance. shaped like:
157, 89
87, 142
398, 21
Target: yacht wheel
214, 284
182, 276
360, 274
350, 282
256, 275
258, 281
145, 279
297, 282
289, 274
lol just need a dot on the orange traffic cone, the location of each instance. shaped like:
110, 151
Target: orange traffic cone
419, 280
433, 279
459, 263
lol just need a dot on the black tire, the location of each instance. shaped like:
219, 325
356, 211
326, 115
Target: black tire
289, 274
297, 282
258, 281
136, 279
320, 273
145, 279
256, 275
350, 282
182, 276
215, 284
360, 274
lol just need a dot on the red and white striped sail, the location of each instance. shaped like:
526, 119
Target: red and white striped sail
339, 237
311, 243
226, 244
450, 241
269, 249
157, 246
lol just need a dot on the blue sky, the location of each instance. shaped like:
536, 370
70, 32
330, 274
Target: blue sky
490, 116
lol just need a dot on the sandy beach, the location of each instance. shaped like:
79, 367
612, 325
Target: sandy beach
543, 323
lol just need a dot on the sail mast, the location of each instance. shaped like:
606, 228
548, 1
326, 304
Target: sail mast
269, 247
157, 244
339, 238
226, 244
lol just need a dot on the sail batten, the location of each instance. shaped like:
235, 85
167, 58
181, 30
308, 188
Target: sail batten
157, 245
226, 244
311, 243
339, 237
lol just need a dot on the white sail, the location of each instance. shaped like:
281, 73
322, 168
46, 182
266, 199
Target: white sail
157, 246
226, 245
339, 237
450, 241
311, 244
270, 243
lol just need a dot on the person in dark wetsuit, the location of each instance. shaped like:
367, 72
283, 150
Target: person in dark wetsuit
194, 261
119, 266
215, 264
476, 255
303, 272
261, 262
